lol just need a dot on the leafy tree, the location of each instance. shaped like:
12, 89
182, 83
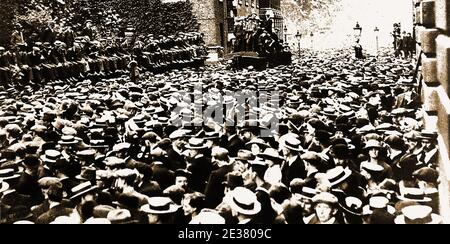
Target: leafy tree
7, 12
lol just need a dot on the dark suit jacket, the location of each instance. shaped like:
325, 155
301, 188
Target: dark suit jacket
293, 171
175, 160
234, 145
53, 213
29, 186
163, 176
215, 189
201, 169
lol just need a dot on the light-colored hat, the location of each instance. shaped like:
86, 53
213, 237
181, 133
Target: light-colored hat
418, 214
243, 201
271, 154
82, 189
118, 215
373, 144
66, 220
208, 218
3, 186
68, 140
353, 206
8, 174
196, 144
378, 202
51, 156
414, 194
325, 197
97, 221
293, 144
159, 205
338, 175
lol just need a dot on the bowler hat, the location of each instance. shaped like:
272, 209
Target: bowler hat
233, 180
87, 174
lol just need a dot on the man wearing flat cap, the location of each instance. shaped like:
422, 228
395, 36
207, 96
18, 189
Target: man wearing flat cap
325, 205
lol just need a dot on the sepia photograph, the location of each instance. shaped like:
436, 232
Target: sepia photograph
225, 112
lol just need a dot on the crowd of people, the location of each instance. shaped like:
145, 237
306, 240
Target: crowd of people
404, 43
80, 39
65, 57
253, 34
348, 147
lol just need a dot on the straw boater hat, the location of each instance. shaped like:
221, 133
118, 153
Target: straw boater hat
414, 195
338, 175
68, 140
82, 189
196, 144
352, 206
51, 156
378, 202
271, 154
210, 217
3, 186
307, 193
293, 144
243, 201
159, 205
418, 214
8, 174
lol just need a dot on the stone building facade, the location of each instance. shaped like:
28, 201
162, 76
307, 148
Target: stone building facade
432, 20
217, 17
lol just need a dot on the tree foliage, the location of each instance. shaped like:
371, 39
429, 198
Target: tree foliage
8, 10
109, 16
309, 15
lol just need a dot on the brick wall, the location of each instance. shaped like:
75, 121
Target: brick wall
433, 37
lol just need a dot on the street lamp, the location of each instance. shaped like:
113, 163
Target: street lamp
377, 32
358, 31
298, 36
312, 40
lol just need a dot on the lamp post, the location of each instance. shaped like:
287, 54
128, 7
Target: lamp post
377, 33
358, 48
298, 36
357, 31
285, 33
312, 40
